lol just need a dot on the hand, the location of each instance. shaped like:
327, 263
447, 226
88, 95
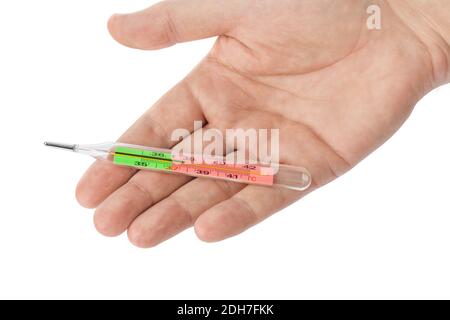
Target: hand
334, 88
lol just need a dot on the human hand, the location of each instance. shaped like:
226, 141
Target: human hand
334, 88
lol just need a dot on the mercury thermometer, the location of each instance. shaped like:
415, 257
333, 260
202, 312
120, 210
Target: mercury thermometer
210, 167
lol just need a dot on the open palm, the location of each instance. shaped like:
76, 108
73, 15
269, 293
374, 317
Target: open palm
334, 88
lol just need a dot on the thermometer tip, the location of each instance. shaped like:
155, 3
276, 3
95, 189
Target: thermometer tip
60, 145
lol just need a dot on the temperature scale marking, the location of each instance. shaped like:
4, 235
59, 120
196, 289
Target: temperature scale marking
168, 162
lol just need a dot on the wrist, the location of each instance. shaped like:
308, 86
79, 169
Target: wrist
430, 21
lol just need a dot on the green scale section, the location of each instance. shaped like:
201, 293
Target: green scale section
139, 158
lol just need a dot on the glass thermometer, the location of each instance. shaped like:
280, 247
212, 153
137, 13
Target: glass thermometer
210, 167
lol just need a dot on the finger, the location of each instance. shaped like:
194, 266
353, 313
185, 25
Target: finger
173, 21
154, 128
114, 215
245, 209
179, 211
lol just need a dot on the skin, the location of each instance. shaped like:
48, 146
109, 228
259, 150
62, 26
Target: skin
312, 68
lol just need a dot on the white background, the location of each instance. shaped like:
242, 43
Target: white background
381, 231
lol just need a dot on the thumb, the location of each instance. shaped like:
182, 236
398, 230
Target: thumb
173, 21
